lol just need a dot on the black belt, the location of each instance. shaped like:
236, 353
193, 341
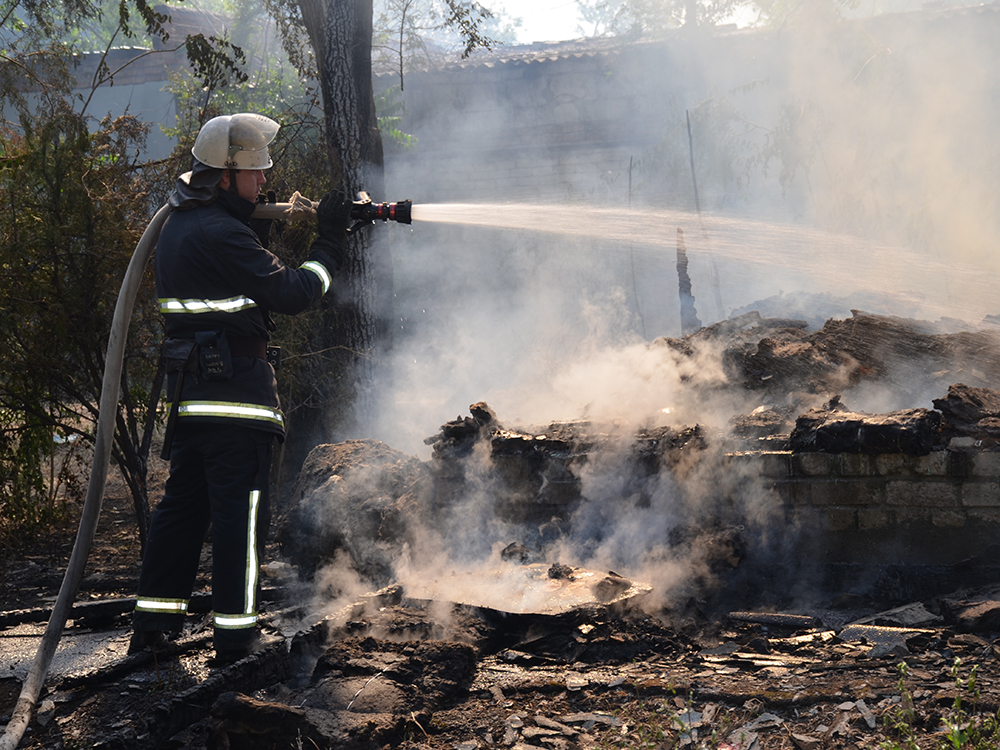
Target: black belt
241, 346
247, 346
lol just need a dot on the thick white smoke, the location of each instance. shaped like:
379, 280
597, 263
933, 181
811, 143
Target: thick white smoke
849, 163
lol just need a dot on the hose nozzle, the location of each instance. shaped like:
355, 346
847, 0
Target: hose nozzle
365, 212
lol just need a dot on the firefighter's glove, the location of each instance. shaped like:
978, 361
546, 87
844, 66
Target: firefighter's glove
334, 216
330, 254
262, 227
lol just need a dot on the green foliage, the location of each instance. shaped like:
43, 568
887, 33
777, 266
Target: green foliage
45, 19
621, 17
412, 33
215, 60
610, 17
962, 727
268, 81
390, 113
87, 25
36, 480
295, 41
469, 19
73, 208
795, 140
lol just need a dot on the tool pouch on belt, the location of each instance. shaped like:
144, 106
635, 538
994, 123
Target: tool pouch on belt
178, 356
214, 360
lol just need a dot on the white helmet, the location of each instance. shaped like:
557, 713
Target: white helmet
236, 141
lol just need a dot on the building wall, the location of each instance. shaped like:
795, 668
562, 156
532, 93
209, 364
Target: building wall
137, 88
547, 122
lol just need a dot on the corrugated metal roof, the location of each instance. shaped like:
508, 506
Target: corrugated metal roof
185, 21
537, 52
541, 52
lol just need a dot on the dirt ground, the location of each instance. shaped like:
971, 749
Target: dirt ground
391, 672
33, 577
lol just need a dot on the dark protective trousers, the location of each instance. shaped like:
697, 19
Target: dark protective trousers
218, 479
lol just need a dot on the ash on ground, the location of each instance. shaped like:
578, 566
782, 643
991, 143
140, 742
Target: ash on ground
492, 621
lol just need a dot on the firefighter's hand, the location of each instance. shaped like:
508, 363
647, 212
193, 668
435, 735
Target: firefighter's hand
262, 227
333, 216
330, 253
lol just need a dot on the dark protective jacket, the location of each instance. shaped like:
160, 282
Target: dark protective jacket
213, 276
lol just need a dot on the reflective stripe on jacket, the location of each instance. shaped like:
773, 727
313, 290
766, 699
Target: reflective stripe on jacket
229, 409
212, 274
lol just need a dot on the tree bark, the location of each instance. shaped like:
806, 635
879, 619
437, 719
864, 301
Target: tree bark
691, 13
355, 322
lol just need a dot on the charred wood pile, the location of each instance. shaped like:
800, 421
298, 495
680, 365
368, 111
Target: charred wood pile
373, 503
781, 356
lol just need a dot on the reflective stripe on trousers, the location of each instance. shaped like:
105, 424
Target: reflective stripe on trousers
247, 618
218, 480
154, 604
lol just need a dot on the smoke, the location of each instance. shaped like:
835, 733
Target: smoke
840, 165
679, 530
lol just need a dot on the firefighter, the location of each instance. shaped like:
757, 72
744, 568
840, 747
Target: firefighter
217, 284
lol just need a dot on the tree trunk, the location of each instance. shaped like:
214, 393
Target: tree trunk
691, 13
356, 315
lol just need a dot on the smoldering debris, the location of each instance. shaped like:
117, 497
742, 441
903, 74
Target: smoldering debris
970, 416
401, 675
388, 511
358, 497
528, 589
786, 363
834, 429
762, 422
667, 503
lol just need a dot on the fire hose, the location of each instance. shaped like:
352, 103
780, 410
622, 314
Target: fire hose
363, 213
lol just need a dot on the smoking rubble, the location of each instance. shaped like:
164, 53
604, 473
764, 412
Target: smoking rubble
579, 501
632, 502
645, 499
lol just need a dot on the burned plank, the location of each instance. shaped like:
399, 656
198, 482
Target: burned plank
268, 666
832, 429
776, 619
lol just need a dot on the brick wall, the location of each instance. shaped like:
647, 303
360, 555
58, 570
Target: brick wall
941, 509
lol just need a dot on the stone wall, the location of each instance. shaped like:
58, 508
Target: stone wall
935, 516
